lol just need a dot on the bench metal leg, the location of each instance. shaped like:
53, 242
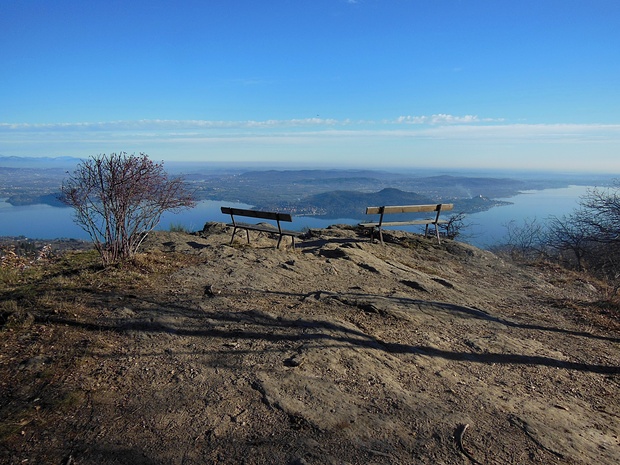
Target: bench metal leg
280, 240
436, 232
232, 238
372, 235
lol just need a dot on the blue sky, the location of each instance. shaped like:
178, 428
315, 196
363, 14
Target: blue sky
528, 84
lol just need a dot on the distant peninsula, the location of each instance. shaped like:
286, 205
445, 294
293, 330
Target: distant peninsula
352, 204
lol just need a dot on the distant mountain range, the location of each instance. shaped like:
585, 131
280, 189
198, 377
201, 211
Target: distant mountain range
38, 162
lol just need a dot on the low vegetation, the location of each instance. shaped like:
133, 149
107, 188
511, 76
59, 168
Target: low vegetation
586, 240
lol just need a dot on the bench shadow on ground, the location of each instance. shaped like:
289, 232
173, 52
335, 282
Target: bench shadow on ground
253, 325
316, 244
303, 244
313, 244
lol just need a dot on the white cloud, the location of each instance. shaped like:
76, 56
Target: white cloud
451, 119
412, 119
443, 118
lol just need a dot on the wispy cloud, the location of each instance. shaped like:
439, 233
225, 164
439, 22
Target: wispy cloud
443, 118
171, 124
164, 124
549, 132
439, 126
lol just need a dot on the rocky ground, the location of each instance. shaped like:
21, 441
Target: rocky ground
341, 351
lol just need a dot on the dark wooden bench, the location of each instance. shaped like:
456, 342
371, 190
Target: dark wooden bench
262, 227
386, 210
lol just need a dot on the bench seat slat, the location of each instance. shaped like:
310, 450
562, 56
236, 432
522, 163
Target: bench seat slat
288, 232
255, 227
403, 223
409, 208
257, 214
265, 228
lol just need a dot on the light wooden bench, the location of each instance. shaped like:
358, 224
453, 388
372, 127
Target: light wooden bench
262, 227
386, 210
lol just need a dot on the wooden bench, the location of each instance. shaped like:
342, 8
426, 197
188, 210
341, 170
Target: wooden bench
386, 210
274, 216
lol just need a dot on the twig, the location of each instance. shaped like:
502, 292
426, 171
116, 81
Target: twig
459, 438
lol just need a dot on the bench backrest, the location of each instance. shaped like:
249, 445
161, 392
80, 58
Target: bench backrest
409, 208
257, 214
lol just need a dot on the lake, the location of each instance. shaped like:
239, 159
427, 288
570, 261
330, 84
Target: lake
488, 228
485, 228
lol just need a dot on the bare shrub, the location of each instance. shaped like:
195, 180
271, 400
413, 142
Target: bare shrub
570, 233
454, 226
524, 241
118, 199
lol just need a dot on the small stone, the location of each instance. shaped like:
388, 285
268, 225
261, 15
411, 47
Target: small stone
210, 291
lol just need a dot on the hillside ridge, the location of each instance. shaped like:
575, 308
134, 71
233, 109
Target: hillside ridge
340, 351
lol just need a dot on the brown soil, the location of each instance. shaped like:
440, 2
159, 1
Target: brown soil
338, 352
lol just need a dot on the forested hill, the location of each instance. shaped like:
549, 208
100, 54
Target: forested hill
352, 204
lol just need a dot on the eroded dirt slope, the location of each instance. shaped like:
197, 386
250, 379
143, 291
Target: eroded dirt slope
340, 351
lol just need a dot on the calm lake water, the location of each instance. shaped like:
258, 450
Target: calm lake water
488, 228
485, 228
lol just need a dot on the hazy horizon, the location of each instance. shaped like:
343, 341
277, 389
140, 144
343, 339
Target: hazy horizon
180, 166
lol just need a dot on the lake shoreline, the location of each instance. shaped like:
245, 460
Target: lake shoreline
483, 229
